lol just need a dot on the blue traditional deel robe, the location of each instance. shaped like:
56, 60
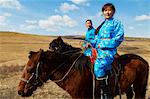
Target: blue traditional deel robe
110, 36
89, 38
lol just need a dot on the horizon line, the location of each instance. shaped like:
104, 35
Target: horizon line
60, 35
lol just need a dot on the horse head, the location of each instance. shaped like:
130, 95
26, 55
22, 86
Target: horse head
56, 44
40, 67
30, 80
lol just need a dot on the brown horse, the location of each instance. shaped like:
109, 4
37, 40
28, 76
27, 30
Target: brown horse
68, 71
73, 74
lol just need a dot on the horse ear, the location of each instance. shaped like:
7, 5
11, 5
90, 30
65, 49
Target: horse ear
42, 53
30, 54
59, 38
41, 50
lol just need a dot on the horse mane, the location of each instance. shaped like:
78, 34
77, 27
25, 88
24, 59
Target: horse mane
67, 49
65, 43
58, 58
68, 46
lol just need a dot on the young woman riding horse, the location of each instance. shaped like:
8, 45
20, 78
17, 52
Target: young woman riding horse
128, 74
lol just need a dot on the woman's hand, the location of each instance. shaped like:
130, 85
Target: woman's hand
88, 45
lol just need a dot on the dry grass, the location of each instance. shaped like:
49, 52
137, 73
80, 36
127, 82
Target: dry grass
14, 49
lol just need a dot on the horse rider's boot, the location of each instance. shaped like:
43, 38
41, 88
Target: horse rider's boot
105, 90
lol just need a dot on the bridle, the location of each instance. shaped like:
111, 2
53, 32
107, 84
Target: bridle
32, 75
36, 73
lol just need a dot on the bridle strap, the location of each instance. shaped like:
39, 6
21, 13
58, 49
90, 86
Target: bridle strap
37, 70
25, 80
36, 74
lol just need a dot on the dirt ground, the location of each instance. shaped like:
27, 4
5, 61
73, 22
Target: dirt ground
14, 49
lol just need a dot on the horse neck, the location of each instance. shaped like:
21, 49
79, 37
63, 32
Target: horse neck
76, 82
64, 67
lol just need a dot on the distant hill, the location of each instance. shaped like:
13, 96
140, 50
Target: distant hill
67, 37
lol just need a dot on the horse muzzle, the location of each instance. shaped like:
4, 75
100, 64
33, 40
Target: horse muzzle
25, 93
21, 93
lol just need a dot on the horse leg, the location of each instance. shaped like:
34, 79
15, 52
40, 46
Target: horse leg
129, 93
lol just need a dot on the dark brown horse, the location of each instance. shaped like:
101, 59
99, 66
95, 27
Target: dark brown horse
60, 46
73, 73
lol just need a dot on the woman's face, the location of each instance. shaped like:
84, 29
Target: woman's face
88, 24
108, 12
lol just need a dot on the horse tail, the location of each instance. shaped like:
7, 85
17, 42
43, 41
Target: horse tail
145, 80
141, 79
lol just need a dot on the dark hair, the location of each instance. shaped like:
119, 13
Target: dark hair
98, 28
110, 5
89, 20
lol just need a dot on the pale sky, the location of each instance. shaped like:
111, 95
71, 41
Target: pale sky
67, 17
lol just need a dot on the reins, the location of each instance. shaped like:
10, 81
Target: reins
68, 70
60, 65
70, 51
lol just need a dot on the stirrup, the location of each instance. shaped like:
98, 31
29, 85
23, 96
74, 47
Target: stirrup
102, 78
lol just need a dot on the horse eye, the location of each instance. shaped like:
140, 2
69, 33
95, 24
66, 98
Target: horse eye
29, 56
56, 48
53, 45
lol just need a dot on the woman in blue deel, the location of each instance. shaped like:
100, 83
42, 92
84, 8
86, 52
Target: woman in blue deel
89, 38
110, 36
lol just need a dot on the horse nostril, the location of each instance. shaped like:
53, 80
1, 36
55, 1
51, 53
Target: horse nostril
21, 93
